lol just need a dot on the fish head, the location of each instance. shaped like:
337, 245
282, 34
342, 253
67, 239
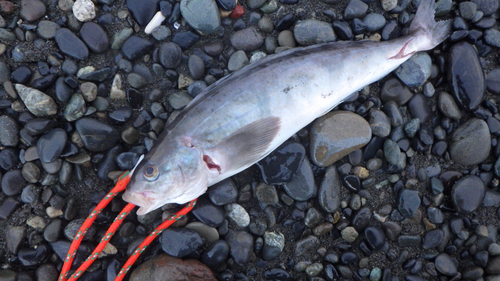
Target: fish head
175, 173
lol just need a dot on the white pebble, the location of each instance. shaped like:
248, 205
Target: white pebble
238, 214
154, 23
84, 10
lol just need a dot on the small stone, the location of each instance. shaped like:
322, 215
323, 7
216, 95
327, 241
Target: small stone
238, 214
84, 10
32, 10
37, 102
349, 234
468, 194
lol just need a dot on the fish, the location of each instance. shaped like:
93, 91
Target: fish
244, 116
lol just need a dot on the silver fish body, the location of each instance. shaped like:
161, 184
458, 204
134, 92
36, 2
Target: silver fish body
244, 116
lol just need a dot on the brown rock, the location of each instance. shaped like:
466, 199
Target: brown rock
7, 6
337, 134
157, 268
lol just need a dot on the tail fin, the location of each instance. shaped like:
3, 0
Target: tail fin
423, 24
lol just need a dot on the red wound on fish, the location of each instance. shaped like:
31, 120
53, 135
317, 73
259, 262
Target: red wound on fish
210, 164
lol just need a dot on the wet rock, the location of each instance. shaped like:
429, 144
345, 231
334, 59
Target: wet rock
176, 270
32, 257
283, 163
465, 75
202, 15
329, 192
216, 253
302, 187
337, 134
375, 237
96, 136
208, 213
468, 194
180, 242
223, 193
51, 144
470, 143
37, 102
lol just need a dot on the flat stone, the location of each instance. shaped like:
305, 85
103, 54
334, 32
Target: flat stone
70, 44
337, 134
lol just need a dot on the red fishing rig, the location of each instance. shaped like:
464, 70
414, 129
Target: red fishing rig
121, 184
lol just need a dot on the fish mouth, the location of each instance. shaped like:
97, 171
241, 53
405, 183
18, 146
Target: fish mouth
145, 200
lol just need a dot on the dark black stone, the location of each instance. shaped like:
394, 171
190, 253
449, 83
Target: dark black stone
43, 68
180, 242
375, 237
283, 163
135, 47
44, 82
94, 36
342, 29
285, 22
358, 26
63, 90
227, 5
185, 39
96, 136
51, 144
31, 257
352, 183
142, 11
465, 75
39, 126
208, 213
71, 45
97, 76
165, 8
8, 159
134, 98
170, 55
8, 206
362, 219
21, 74
121, 115
127, 160
215, 254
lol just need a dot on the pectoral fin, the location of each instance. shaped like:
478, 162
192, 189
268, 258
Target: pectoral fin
247, 145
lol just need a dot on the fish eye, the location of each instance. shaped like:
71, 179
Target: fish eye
151, 173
